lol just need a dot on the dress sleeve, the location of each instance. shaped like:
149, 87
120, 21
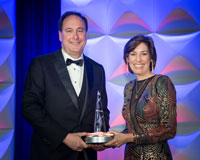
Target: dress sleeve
125, 108
125, 96
167, 123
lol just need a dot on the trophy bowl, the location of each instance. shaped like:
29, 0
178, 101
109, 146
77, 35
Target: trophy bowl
99, 138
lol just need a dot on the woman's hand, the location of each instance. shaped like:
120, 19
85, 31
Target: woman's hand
119, 139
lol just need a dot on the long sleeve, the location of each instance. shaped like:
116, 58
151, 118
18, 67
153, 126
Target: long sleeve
163, 126
33, 107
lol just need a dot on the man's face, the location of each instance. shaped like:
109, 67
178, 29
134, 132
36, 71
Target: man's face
73, 36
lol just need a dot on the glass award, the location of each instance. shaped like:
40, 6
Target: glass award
99, 136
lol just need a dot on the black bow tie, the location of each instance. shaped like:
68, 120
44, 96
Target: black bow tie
77, 62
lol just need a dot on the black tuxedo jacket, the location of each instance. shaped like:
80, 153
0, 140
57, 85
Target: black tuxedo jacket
51, 107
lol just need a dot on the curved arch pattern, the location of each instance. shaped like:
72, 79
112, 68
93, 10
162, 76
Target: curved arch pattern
7, 79
175, 27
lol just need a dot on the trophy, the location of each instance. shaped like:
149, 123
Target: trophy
99, 136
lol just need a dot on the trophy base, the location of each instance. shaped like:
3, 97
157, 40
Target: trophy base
98, 139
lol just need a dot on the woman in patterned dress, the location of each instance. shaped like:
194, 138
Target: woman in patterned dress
149, 105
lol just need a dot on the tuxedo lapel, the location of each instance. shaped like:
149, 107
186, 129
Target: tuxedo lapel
89, 83
89, 73
64, 77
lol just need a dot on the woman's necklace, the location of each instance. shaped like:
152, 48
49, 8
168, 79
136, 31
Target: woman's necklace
137, 90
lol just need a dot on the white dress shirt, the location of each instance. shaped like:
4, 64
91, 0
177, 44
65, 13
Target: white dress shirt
75, 72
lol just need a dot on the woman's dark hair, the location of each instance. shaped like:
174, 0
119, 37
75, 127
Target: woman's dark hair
69, 13
134, 42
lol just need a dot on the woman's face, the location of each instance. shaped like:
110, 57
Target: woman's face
139, 61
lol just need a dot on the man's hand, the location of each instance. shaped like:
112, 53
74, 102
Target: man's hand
75, 142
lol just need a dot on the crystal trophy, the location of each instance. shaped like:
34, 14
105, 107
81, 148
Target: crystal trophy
99, 136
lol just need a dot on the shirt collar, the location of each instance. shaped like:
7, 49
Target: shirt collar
66, 55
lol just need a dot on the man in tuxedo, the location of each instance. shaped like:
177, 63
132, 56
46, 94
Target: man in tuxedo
60, 96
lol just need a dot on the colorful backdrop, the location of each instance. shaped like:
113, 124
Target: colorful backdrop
175, 28
7, 79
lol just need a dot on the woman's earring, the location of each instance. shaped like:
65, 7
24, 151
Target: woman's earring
152, 66
127, 67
